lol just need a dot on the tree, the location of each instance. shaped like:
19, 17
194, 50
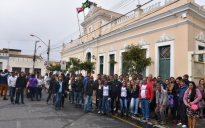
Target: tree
89, 66
135, 61
56, 67
74, 64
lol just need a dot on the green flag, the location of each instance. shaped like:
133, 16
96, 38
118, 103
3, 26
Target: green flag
86, 4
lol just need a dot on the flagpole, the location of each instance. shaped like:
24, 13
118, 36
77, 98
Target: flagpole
78, 23
83, 12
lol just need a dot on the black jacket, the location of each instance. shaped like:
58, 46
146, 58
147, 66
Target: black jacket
65, 82
119, 92
52, 83
96, 84
115, 86
88, 88
78, 86
110, 91
134, 93
21, 82
56, 87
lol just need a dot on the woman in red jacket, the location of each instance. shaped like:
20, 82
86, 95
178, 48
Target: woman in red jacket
145, 96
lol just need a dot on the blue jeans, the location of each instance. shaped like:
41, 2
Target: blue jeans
58, 98
77, 98
71, 94
99, 104
123, 102
134, 105
87, 105
18, 95
11, 93
33, 90
176, 110
145, 106
107, 102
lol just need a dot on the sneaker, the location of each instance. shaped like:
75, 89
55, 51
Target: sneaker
162, 123
174, 122
22, 103
147, 120
179, 123
183, 126
38, 100
5, 99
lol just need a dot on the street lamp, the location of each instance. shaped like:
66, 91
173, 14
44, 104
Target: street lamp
48, 50
34, 57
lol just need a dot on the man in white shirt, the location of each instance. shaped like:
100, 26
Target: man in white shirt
12, 84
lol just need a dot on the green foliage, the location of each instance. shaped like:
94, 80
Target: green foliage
135, 61
56, 67
112, 61
77, 65
89, 66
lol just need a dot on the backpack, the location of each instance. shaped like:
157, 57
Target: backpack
171, 101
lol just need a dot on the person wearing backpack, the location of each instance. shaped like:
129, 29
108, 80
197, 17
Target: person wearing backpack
162, 102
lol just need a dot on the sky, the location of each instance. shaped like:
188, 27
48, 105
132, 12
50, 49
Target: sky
54, 20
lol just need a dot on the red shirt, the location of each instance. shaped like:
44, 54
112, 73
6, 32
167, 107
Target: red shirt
149, 92
150, 83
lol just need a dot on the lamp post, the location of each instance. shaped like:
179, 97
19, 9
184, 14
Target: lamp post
48, 50
34, 57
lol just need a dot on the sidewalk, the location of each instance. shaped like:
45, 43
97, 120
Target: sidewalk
200, 122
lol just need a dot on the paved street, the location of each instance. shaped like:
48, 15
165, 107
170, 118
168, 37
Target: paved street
36, 114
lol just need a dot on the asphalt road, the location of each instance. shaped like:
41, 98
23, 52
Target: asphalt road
36, 114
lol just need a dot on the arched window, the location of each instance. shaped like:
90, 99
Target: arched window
88, 56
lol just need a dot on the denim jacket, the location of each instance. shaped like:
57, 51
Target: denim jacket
181, 94
178, 92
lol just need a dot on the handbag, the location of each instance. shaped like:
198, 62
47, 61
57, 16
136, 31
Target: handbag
201, 104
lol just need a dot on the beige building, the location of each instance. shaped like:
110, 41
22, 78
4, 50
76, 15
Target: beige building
167, 31
13, 59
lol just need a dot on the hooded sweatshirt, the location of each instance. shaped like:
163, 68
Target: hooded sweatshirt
33, 82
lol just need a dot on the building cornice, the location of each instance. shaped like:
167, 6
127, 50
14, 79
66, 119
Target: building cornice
145, 33
173, 13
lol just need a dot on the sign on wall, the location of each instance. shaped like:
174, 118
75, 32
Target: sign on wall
63, 65
8, 67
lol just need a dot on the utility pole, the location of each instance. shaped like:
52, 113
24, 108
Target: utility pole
34, 57
48, 54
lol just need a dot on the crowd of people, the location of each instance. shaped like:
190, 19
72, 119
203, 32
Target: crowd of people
179, 99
